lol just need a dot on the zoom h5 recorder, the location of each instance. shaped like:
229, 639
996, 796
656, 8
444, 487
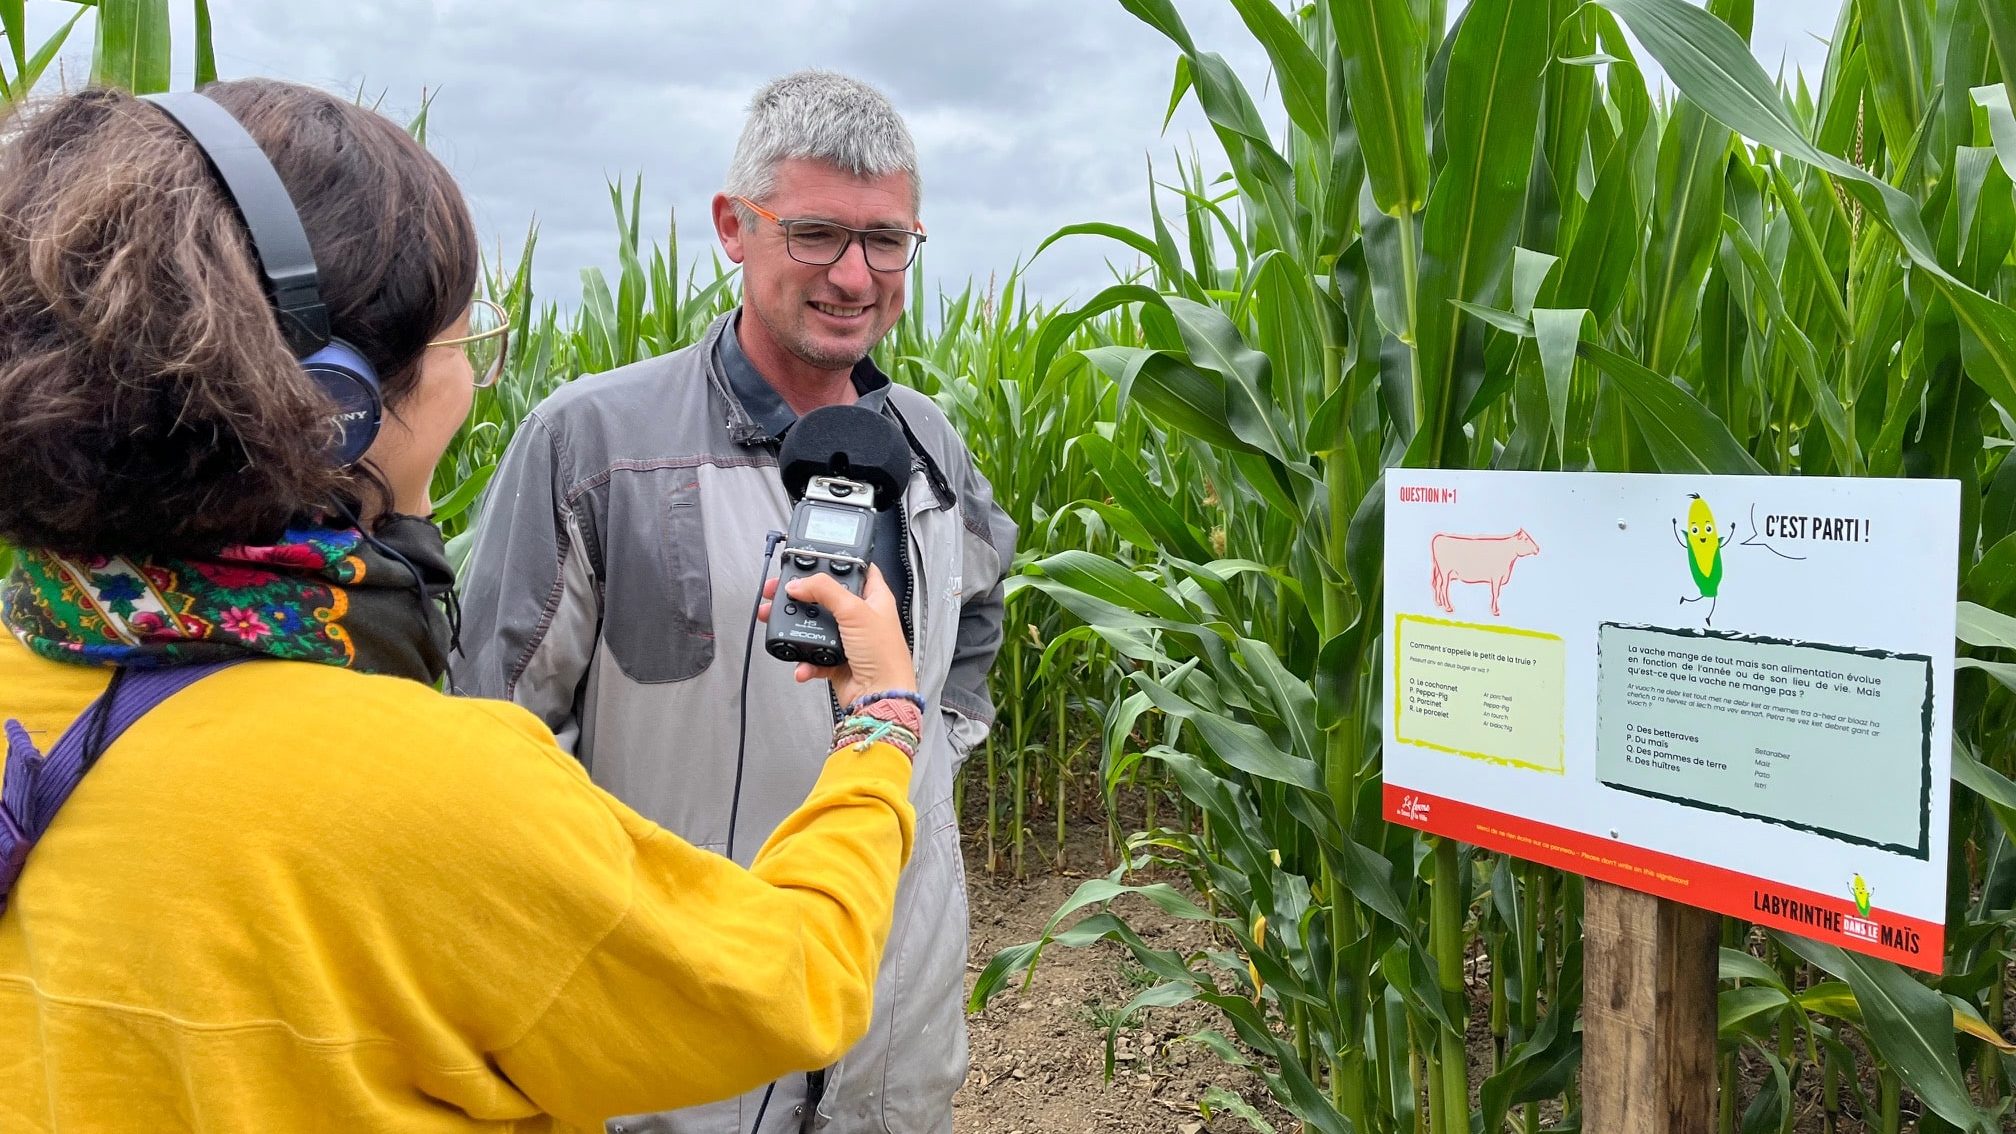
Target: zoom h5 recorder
832, 530
841, 464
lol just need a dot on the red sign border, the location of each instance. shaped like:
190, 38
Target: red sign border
1758, 900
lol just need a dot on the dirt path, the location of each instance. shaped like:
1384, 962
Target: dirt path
1039, 1057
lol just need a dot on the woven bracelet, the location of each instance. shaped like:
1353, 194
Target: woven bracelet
858, 732
890, 709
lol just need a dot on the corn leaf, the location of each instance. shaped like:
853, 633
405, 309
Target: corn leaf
132, 49
1188, 399
1148, 504
1490, 126
2001, 123
14, 23
2002, 27
1685, 229
1912, 1026
1215, 345
1383, 47
38, 63
206, 52
1239, 744
1897, 39
1681, 434
1715, 69
464, 494
1980, 626
1295, 66
1558, 333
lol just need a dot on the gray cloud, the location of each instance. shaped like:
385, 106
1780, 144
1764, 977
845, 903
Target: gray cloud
1028, 114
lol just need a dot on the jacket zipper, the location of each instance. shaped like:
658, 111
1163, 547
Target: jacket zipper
909, 561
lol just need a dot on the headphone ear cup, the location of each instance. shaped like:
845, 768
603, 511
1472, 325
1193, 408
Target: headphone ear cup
350, 382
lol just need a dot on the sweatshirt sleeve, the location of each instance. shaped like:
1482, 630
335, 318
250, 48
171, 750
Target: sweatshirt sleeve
716, 979
529, 602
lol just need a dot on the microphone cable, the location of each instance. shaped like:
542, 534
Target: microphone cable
748, 653
452, 605
770, 543
757, 1126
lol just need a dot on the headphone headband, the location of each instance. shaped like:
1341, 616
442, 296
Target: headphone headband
285, 260
287, 265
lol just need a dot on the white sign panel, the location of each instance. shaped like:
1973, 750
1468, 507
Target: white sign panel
1735, 692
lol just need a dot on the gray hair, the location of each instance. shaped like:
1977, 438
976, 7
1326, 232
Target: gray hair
827, 117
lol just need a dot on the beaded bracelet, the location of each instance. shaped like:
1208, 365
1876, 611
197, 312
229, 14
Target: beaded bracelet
914, 698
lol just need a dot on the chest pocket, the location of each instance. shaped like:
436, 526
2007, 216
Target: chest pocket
655, 578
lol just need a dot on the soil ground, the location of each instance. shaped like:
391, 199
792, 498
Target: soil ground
1038, 1055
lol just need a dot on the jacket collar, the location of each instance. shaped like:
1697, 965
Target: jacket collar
757, 414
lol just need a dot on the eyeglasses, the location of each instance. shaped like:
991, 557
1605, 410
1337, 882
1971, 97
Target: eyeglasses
820, 243
487, 343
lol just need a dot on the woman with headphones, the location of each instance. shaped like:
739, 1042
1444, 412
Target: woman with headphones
255, 872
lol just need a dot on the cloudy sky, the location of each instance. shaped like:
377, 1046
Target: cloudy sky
1028, 114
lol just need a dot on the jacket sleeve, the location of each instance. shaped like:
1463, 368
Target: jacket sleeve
989, 552
530, 609
714, 980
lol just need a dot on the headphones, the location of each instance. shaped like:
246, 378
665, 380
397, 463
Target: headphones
287, 265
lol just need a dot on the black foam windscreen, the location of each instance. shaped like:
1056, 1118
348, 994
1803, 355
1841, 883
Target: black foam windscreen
846, 441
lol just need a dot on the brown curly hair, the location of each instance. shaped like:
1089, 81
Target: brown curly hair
147, 400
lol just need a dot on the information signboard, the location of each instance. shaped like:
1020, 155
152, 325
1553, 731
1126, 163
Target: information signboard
1733, 692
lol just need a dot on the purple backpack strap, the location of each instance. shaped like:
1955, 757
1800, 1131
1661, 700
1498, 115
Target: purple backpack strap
33, 787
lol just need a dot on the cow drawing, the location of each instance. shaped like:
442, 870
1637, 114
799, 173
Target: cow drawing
1477, 559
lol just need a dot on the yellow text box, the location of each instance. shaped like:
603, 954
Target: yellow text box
1492, 693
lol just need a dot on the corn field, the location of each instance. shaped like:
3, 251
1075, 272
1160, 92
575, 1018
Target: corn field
1476, 238
1495, 248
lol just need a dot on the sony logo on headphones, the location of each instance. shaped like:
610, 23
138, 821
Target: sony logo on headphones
350, 416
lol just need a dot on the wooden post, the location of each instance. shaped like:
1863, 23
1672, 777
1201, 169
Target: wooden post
1648, 1014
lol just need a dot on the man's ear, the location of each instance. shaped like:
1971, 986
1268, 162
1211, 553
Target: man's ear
728, 227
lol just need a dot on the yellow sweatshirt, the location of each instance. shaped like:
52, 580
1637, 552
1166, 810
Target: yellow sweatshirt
295, 898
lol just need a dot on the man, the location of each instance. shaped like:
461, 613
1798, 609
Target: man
620, 553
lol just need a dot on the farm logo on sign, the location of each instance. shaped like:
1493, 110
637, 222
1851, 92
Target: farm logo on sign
1413, 810
1862, 926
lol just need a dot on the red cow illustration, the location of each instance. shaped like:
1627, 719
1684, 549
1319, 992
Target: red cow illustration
1477, 559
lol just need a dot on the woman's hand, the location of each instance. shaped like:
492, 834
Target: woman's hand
871, 632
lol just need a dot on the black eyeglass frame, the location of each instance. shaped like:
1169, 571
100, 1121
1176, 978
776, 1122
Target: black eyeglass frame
854, 235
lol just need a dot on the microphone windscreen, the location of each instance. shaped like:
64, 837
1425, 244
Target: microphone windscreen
846, 441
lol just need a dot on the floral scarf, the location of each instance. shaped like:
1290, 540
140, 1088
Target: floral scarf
321, 594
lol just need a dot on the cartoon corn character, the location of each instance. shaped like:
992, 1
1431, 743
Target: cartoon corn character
1704, 553
1860, 890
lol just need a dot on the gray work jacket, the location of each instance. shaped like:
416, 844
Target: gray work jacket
610, 590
